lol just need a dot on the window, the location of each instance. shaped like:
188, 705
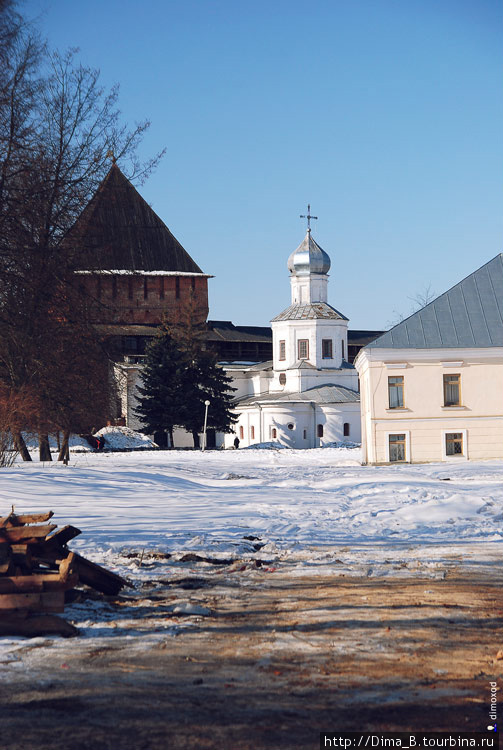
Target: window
282, 350
145, 288
453, 443
326, 349
303, 348
273, 433
305, 434
397, 448
319, 430
177, 287
241, 432
395, 392
193, 284
452, 390
291, 426
252, 432
343, 350
282, 378
346, 429
161, 287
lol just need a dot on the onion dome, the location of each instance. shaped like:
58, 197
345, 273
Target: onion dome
308, 258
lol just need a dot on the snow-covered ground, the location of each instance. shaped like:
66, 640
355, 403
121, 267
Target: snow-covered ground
313, 511
295, 502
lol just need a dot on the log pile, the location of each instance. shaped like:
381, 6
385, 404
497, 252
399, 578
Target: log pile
38, 573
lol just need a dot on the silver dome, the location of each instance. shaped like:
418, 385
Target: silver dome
308, 258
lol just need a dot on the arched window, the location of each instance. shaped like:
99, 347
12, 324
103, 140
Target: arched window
241, 432
319, 430
346, 429
252, 432
273, 433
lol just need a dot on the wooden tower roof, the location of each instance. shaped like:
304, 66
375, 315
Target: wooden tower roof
119, 231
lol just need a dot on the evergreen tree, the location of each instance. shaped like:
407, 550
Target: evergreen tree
180, 374
160, 405
206, 381
203, 379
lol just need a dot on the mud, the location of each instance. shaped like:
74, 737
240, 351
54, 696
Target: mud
276, 660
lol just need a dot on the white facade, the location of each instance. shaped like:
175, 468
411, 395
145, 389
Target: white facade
432, 387
427, 423
308, 395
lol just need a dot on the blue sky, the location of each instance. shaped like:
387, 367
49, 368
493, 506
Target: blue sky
385, 115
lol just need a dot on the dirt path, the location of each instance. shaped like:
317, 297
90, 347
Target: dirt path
278, 660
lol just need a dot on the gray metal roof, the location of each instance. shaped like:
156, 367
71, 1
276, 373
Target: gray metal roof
308, 258
256, 366
314, 311
468, 315
320, 394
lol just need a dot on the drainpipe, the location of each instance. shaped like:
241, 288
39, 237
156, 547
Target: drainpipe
314, 426
260, 422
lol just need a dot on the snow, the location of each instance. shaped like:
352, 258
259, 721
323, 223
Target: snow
310, 511
125, 439
116, 439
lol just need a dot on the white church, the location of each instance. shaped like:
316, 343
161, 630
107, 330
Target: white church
308, 395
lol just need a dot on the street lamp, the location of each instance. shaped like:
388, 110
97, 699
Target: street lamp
206, 404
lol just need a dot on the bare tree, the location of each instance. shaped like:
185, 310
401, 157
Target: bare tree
419, 300
58, 130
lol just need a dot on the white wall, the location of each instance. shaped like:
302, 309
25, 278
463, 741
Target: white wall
479, 416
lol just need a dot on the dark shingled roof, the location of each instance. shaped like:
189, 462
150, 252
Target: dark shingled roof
119, 231
468, 315
312, 311
224, 330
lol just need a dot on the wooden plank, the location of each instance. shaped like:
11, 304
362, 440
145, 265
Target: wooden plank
37, 582
20, 584
52, 601
21, 554
98, 578
5, 550
7, 567
36, 625
44, 601
62, 537
68, 567
18, 520
20, 601
16, 534
6, 519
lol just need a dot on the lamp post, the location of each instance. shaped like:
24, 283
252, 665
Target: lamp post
206, 404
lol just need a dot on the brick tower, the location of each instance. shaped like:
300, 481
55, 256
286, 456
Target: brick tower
134, 270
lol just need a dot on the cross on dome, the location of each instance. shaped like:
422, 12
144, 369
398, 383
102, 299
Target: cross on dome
308, 216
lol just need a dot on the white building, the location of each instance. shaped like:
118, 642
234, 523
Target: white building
432, 386
308, 395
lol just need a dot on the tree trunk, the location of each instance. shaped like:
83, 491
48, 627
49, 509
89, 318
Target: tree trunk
64, 451
20, 446
44, 452
195, 436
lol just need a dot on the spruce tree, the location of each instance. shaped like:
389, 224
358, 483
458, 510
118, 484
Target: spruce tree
180, 374
206, 381
162, 395
203, 379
